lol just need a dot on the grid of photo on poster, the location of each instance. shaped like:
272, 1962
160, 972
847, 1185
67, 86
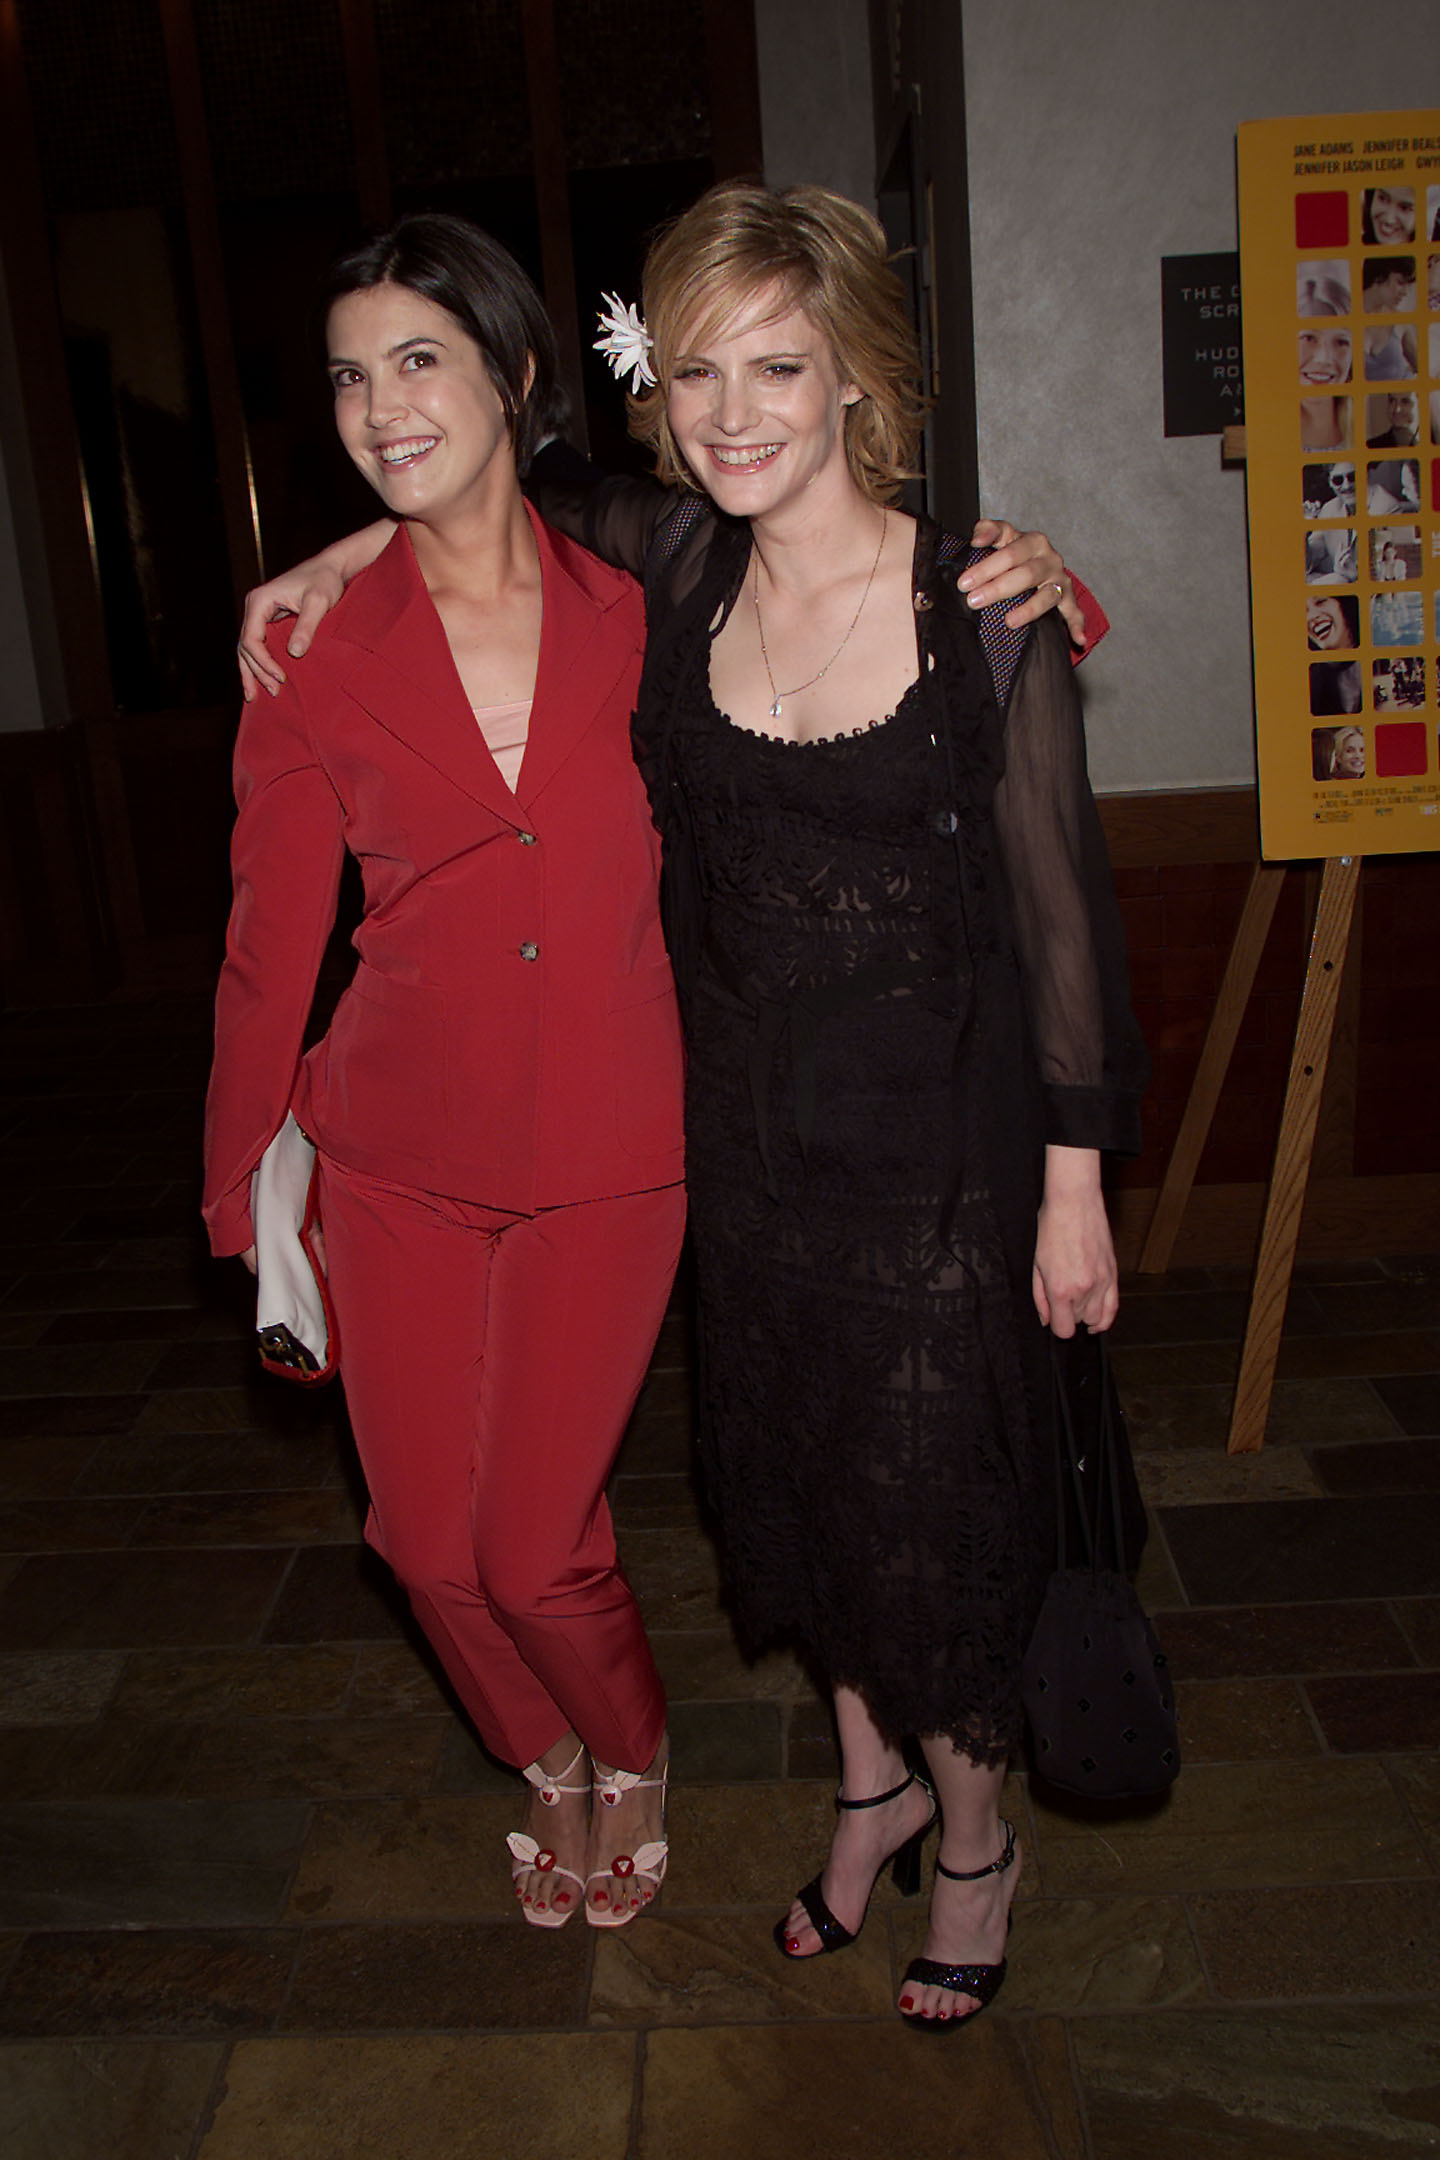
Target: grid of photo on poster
1368, 302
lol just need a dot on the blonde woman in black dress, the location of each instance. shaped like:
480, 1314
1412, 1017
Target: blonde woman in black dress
889, 906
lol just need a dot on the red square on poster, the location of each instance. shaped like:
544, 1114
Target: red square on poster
1399, 749
1435, 483
1322, 220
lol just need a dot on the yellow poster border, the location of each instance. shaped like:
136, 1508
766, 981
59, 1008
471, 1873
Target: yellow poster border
1338, 623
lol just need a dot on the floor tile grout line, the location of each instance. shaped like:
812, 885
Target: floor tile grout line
760, 1911
210, 2106
1040, 2110
1198, 1946
1308, 1707
639, 2065
257, 1640
1158, 1531
1082, 2106
1429, 1842
1071, 2014
1391, 1606
301, 1939
1237, 2006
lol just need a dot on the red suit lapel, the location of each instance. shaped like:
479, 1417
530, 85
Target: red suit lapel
404, 675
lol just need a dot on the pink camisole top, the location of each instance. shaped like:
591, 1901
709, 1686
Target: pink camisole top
506, 729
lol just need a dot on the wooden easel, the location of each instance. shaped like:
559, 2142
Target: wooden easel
1285, 1203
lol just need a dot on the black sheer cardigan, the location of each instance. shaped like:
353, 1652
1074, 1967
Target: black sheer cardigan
1031, 923
1026, 929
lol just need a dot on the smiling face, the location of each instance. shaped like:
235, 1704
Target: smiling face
757, 408
1350, 754
1325, 356
1392, 215
415, 405
1326, 626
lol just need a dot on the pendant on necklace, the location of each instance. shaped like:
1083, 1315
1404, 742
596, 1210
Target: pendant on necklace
775, 710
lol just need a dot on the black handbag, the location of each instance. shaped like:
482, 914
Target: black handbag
1085, 1385
1095, 1683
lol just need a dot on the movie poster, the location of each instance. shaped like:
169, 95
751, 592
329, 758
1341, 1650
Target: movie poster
1340, 278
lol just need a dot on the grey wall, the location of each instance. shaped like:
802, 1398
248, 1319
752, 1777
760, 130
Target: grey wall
816, 102
1101, 137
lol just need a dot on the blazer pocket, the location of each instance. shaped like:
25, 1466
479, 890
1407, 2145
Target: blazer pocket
385, 1065
653, 979
647, 1060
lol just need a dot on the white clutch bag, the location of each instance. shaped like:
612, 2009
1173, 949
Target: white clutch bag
294, 1320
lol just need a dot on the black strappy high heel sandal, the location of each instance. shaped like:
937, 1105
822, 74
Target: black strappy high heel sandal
982, 1981
904, 1865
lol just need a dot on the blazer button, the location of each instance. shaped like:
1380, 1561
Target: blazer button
529, 950
923, 603
526, 839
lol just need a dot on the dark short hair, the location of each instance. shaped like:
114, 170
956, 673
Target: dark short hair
1377, 268
449, 261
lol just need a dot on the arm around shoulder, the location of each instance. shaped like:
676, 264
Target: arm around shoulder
616, 518
307, 593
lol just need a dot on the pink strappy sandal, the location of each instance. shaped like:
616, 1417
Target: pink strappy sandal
645, 1865
528, 1854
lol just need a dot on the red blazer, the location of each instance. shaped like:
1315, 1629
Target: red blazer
510, 1035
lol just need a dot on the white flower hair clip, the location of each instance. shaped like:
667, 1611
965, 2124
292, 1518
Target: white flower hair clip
626, 343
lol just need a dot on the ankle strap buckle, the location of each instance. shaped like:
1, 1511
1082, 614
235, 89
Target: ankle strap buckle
996, 1867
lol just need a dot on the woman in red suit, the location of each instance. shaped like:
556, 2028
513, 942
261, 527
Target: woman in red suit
496, 1105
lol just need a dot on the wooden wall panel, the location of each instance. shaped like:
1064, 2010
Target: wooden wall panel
1198, 825
58, 565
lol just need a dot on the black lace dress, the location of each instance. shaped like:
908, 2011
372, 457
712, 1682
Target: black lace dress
886, 1017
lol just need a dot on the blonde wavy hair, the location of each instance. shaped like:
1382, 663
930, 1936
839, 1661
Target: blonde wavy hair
826, 255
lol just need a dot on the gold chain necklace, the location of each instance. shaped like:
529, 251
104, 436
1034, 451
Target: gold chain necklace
778, 695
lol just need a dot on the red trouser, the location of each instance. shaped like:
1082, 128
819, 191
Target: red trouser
491, 1362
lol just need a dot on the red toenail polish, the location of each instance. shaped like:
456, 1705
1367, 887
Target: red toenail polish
943, 2015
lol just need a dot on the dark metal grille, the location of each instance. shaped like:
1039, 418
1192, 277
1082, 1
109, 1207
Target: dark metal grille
101, 103
275, 98
633, 82
453, 73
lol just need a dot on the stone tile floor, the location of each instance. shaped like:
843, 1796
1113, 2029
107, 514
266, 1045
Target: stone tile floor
253, 1897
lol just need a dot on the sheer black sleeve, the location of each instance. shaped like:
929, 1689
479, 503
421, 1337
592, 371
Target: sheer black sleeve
617, 519
1093, 1064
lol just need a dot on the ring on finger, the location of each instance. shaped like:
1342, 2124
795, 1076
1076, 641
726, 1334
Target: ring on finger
1057, 585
